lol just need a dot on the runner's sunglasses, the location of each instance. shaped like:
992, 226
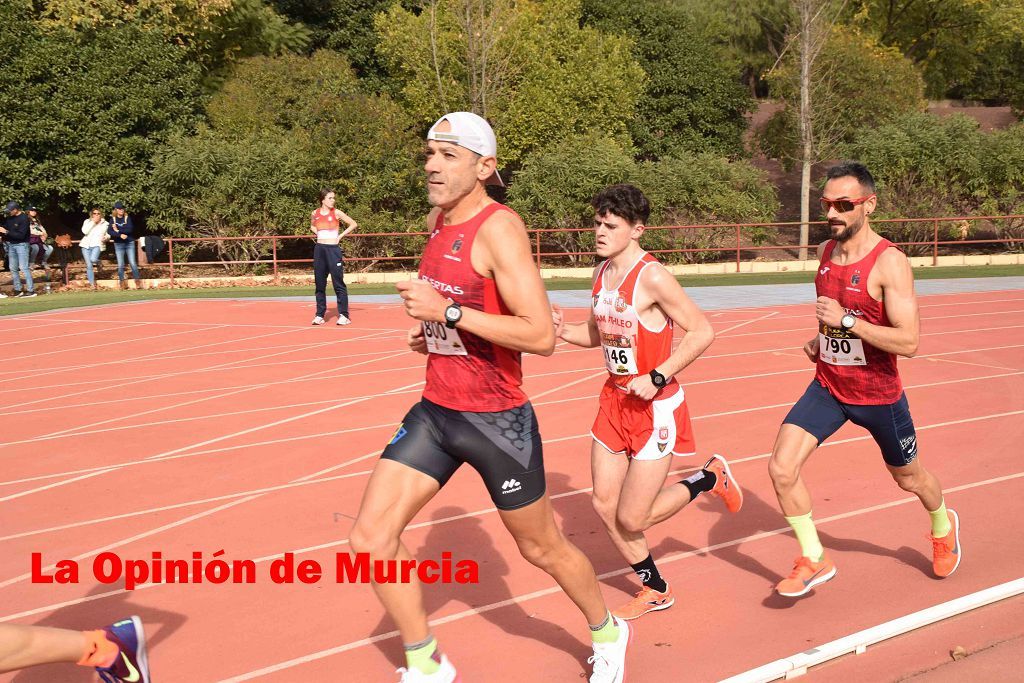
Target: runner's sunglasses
842, 205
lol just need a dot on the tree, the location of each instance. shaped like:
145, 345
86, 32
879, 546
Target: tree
845, 81
694, 99
928, 166
527, 66
754, 32
216, 32
83, 114
280, 130
555, 186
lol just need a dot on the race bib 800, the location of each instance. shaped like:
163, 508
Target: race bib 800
443, 341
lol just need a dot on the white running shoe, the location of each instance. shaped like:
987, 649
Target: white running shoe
446, 674
318, 320
609, 659
343, 320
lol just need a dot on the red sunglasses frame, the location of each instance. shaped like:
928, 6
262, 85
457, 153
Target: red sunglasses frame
827, 204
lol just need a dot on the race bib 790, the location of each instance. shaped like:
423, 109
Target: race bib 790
837, 346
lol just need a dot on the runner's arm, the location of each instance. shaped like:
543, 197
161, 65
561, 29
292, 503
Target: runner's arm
813, 347
507, 255
900, 307
581, 334
669, 295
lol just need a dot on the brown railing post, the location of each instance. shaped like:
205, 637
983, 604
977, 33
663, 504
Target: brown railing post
737, 248
537, 235
170, 257
277, 281
935, 244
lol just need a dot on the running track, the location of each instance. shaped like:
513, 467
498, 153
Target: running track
182, 426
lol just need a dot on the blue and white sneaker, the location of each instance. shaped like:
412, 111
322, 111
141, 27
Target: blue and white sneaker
132, 663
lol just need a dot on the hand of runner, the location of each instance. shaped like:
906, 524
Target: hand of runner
416, 340
812, 349
642, 387
829, 311
558, 319
422, 301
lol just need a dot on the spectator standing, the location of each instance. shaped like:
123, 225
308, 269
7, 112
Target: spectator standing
122, 233
16, 233
328, 257
94, 234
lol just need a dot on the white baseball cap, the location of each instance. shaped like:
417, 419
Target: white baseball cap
472, 132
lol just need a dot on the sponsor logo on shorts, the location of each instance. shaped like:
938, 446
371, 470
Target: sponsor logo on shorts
399, 433
662, 439
908, 445
511, 486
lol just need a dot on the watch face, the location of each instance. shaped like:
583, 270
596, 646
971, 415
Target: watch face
452, 313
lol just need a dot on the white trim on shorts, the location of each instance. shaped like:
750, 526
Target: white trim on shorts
663, 409
605, 446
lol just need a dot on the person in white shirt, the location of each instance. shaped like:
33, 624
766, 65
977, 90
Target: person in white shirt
94, 235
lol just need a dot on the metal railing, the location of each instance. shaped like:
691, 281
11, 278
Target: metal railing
742, 239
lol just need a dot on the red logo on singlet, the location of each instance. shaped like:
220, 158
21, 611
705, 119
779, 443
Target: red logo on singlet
620, 304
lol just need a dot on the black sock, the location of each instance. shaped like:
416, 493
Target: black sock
699, 483
649, 575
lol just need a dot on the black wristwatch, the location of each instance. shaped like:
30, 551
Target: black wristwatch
657, 379
452, 315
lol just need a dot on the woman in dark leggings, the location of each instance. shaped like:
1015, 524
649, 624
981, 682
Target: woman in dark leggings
327, 257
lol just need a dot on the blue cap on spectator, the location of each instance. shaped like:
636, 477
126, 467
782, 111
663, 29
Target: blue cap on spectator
32, 208
118, 204
11, 206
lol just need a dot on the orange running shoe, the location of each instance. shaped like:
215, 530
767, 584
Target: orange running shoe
726, 487
806, 575
647, 600
946, 550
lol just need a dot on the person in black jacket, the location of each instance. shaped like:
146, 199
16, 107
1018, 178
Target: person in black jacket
122, 234
16, 233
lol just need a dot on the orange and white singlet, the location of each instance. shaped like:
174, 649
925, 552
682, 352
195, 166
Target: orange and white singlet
326, 226
625, 423
630, 347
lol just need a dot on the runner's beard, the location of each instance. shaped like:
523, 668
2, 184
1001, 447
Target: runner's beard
848, 231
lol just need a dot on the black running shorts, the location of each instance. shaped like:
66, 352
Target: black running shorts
504, 447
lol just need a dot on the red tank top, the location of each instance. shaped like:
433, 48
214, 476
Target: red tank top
464, 371
852, 370
630, 347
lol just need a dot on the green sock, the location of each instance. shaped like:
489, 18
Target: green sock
940, 521
422, 656
807, 536
605, 632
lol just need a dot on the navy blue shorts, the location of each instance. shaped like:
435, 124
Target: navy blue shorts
820, 414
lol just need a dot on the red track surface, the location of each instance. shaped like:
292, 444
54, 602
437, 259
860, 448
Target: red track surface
182, 426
